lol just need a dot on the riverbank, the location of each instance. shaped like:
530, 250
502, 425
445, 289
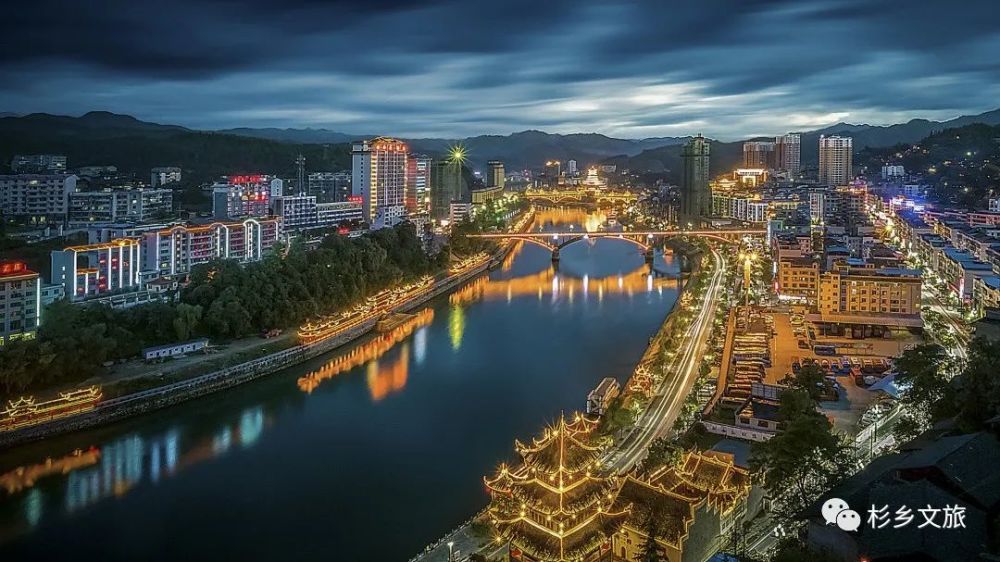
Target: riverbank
468, 538
160, 397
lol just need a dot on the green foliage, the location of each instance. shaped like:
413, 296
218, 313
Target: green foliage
224, 300
804, 459
976, 396
922, 372
810, 379
649, 551
662, 452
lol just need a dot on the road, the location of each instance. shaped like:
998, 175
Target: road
659, 417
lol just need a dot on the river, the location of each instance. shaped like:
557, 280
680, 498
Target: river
366, 454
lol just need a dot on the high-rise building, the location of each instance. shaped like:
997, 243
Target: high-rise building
495, 174
696, 198
20, 301
448, 186
758, 154
835, 160
788, 153
330, 186
379, 178
39, 198
553, 172
164, 175
571, 167
38, 164
418, 177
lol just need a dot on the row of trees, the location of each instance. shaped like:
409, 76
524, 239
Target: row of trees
224, 300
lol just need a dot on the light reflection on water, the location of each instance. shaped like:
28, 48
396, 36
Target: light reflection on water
419, 353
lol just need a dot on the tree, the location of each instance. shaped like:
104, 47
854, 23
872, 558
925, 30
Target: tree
650, 551
186, 321
662, 452
926, 398
805, 459
977, 389
811, 379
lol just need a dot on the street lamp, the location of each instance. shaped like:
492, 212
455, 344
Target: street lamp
451, 547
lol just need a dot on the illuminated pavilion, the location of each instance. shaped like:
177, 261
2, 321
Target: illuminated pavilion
558, 504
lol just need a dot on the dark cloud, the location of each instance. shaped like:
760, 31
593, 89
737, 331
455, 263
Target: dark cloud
457, 67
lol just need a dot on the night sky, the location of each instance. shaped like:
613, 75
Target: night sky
455, 68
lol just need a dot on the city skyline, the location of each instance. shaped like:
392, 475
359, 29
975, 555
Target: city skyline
729, 70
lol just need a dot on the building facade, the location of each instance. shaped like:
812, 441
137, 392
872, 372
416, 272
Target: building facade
378, 176
176, 250
38, 198
696, 198
495, 173
788, 153
836, 160
303, 212
164, 175
418, 182
38, 164
92, 270
448, 186
889, 296
758, 154
20, 301
245, 196
119, 205
329, 186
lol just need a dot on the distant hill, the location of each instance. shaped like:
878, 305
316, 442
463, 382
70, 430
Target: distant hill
101, 138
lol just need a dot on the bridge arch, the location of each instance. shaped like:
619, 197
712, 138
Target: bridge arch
568, 241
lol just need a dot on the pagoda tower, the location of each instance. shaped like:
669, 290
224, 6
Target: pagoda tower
558, 504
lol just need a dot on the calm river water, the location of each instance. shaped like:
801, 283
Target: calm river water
366, 454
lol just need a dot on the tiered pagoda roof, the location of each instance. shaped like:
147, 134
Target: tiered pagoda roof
557, 505
673, 494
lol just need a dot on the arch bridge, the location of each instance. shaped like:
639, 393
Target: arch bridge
645, 240
580, 195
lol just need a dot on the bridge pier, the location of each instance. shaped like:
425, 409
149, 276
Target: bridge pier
650, 255
555, 255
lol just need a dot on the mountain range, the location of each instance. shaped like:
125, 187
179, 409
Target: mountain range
101, 137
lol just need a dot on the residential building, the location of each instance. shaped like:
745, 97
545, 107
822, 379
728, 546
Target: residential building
245, 196
788, 153
165, 175
119, 205
38, 198
890, 171
448, 186
740, 207
379, 177
303, 212
418, 182
759, 154
798, 278
92, 270
20, 301
696, 198
959, 269
38, 164
330, 186
985, 293
869, 297
571, 169
175, 250
495, 173
835, 160
483, 195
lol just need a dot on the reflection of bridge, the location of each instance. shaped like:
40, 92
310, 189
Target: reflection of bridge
549, 282
580, 195
555, 241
